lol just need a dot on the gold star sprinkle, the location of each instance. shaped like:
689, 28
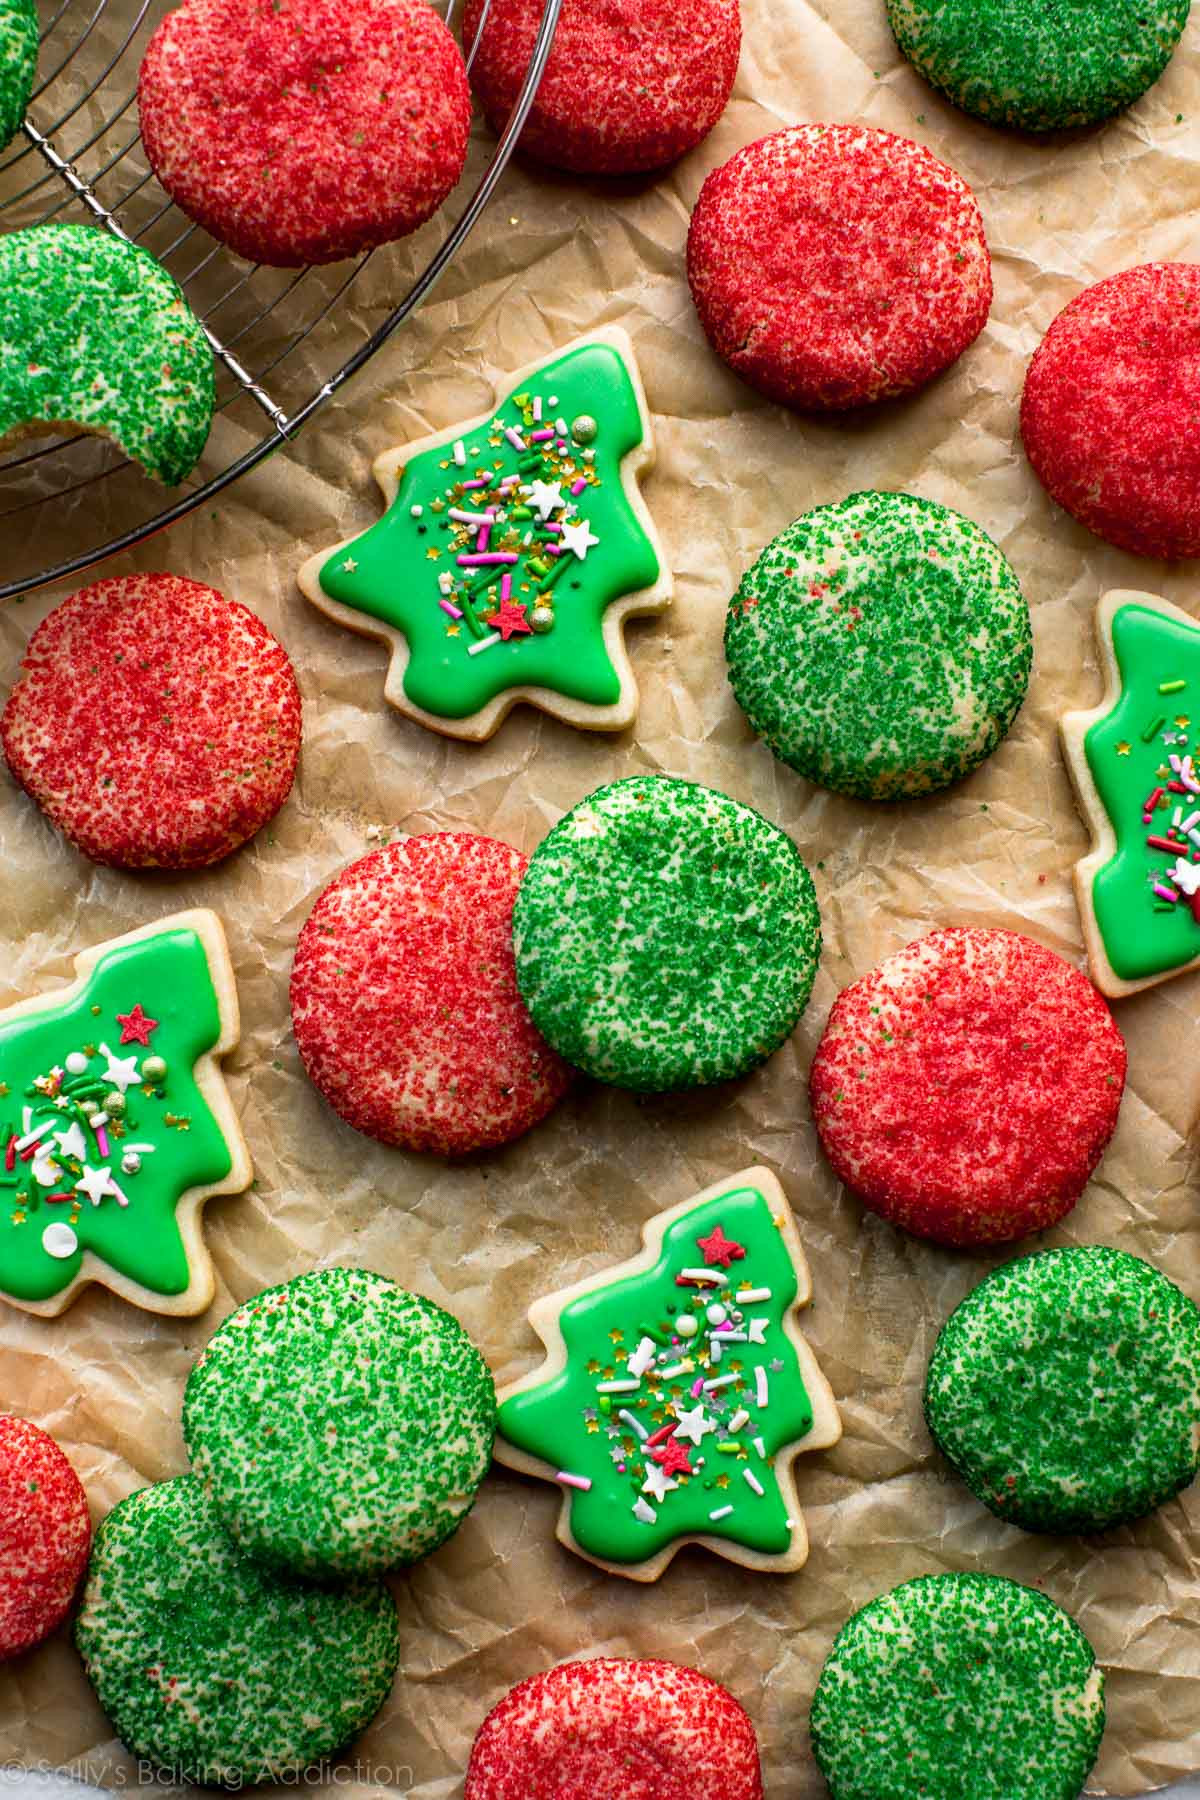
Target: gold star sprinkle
617, 1337
1123, 748
453, 630
1183, 721
593, 1426
433, 553
722, 1481
593, 1367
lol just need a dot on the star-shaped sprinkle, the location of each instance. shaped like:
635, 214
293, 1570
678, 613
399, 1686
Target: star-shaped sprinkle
658, 1483
97, 1184
72, 1142
693, 1424
672, 1457
545, 497
509, 619
718, 1250
1186, 877
122, 1071
579, 538
136, 1026
1124, 747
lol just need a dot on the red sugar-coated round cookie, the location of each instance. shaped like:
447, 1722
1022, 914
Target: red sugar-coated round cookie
612, 1729
967, 1087
834, 265
630, 85
45, 1535
1111, 409
405, 1002
300, 132
157, 723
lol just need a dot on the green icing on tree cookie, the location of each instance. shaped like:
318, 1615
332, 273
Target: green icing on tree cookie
102, 1125
680, 1386
1146, 897
504, 548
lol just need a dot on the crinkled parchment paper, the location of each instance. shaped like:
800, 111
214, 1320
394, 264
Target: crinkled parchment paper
553, 257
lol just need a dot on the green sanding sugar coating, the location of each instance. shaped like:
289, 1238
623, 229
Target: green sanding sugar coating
340, 1424
1039, 64
1065, 1389
95, 333
214, 1668
18, 62
880, 646
666, 936
958, 1687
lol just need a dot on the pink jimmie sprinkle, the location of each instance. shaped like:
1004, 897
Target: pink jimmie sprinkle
697, 1387
515, 439
102, 1141
551, 525
582, 1482
578, 486
448, 606
1166, 893
506, 586
510, 481
479, 482
492, 559
541, 437
484, 538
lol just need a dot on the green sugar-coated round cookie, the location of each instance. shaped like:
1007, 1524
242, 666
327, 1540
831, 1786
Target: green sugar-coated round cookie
1065, 1389
1039, 64
18, 62
880, 646
962, 1686
340, 1424
666, 936
95, 335
213, 1667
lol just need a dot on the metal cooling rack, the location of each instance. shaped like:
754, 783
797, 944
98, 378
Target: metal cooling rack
65, 503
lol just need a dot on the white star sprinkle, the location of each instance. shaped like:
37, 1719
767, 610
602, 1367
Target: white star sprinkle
545, 497
579, 537
656, 1483
95, 1183
72, 1142
122, 1071
692, 1424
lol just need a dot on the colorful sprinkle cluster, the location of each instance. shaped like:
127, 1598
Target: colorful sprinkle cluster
1170, 812
681, 1387
72, 1140
511, 524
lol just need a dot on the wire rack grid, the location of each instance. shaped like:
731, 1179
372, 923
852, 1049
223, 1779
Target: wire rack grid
66, 503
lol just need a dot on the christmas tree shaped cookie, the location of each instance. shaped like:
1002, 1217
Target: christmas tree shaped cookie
512, 551
1135, 763
115, 1123
677, 1391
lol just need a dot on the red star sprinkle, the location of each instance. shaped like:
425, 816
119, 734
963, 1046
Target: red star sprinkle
673, 1456
136, 1027
510, 619
718, 1250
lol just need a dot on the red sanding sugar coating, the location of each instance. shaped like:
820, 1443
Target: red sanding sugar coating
1111, 410
834, 265
45, 1536
967, 1087
300, 132
616, 1730
630, 84
157, 723
405, 1002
